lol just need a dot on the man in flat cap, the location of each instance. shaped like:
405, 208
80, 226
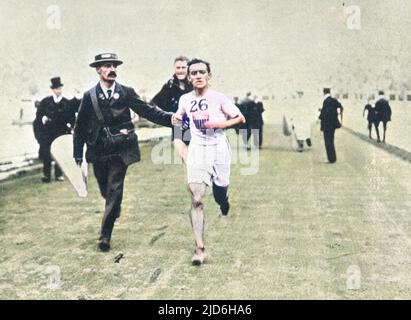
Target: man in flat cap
167, 99
55, 116
331, 118
104, 124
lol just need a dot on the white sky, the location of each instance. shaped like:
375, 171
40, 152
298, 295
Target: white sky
265, 46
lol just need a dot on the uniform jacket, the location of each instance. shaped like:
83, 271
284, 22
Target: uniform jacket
116, 114
59, 114
255, 114
245, 107
370, 112
329, 114
382, 110
169, 95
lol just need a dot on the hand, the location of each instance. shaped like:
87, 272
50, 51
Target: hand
176, 121
124, 131
78, 161
45, 119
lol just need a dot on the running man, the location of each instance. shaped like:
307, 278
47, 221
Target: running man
209, 155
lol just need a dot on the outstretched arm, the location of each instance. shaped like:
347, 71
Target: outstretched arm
178, 116
151, 113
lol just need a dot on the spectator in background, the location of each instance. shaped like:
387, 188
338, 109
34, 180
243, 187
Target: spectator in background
331, 117
370, 116
55, 116
167, 99
255, 121
382, 114
245, 129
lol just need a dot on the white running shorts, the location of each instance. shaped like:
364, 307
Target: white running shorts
209, 163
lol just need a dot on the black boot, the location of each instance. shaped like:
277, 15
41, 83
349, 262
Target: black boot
300, 145
104, 244
220, 196
104, 241
45, 179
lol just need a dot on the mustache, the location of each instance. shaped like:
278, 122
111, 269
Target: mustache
112, 74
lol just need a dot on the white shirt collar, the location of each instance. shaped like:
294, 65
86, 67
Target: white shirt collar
57, 99
113, 86
327, 95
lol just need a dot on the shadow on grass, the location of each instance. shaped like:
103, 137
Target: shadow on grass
396, 151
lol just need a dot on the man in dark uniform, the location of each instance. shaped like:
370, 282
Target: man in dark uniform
245, 128
370, 117
331, 117
255, 121
105, 111
167, 99
382, 113
55, 116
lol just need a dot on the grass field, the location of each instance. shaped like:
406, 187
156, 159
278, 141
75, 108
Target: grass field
293, 232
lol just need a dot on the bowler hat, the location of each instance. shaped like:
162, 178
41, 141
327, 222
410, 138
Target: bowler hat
381, 93
55, 83
105, 57
326, 90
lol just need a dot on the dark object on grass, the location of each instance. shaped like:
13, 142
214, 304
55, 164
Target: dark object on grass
118, 257
155, 275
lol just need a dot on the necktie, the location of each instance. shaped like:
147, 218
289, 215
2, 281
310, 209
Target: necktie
108, 94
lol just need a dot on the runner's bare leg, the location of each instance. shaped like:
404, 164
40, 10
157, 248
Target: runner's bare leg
198, 191
182, 149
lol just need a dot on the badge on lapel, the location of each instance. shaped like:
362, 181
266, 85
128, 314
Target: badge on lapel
101, 96
116, 96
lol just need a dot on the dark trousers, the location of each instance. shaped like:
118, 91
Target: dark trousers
245, 134
369, 128
46, 157
256, 132
384, 126
329, 144
110, 174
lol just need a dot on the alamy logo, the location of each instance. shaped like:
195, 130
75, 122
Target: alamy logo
53, 17
354, 17
353, 278
54, 278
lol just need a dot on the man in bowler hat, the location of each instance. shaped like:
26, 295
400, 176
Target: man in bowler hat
104, 107
382, 114
55, 116
331, 117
